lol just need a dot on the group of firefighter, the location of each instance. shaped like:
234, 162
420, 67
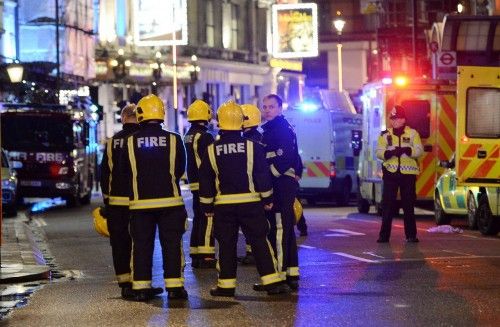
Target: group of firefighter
242, 179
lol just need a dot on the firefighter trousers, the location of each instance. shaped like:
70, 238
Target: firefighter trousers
171, 224
282, 234
118, 218
201, 243
251, 218
406, 185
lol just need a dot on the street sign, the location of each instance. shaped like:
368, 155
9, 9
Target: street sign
447, 59
434, 46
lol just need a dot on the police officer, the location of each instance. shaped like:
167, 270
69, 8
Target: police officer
399, 147
282, 154
115, 192
197, 139
251, 132
157, 161
235, 188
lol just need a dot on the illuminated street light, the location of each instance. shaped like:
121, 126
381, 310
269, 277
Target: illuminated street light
339, 25
460, 8
15, 72
194, 70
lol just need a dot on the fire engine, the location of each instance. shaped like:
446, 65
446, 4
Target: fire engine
430, 109
52, 148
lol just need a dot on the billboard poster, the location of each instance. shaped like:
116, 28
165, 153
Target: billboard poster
159, 23
295, 30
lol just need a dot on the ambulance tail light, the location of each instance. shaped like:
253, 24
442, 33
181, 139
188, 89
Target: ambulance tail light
333, 172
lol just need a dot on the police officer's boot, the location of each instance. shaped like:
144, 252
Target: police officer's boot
217, 291
177, 293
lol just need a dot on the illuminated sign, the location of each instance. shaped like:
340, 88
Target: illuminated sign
160, 22
286, 64
295, 30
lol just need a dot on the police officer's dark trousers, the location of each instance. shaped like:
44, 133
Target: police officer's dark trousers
406, 185
202, 238
121, 243
171, 224
228, 218
282, 234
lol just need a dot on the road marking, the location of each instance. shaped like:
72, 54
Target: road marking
483, 238
345, 231
373, 254
336, 235
456, 252
306, 246
342, 254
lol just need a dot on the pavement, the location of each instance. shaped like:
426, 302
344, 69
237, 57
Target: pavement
21, 259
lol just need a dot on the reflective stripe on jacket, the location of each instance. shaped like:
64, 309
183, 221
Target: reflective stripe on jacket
405, 164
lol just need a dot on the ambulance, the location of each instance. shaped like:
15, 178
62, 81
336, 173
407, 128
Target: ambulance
329, 136
478, 141
430, 109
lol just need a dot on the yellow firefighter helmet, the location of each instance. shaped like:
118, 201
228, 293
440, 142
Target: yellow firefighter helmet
150, 107
199, 110
100, 223
252, 114
297, 210
230, 116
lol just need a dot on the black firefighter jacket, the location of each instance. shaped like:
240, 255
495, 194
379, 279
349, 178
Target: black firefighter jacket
281, 147
114, 184
197, 139
234, 170
156, 161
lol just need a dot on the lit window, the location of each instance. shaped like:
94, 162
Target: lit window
235, 14
210, 23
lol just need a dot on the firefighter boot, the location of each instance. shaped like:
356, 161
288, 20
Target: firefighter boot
207, 263
217, 291
277, 288
248, 259
177, 293
292, 282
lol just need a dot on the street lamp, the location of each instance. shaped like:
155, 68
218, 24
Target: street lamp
194, 70
339, 25
15, 71
120, 65
157, 68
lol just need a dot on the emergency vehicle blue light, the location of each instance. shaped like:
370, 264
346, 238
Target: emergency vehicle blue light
308, 106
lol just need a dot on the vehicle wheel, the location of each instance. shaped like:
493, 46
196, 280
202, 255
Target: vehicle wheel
442, 218
363, 204
343, 196
471, 211
486, 223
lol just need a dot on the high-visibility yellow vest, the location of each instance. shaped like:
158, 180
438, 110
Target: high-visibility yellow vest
405, 164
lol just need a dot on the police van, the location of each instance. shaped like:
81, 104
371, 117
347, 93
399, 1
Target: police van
53, 150
328, 133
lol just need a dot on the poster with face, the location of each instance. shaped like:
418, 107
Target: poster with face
160, 22
295, 30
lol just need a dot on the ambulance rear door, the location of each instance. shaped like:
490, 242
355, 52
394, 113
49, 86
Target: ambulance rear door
478, 126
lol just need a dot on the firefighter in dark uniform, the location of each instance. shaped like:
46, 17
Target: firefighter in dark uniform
157, 161
114, 188
235, 188
197, 139
399, 147
251, 132
282, 155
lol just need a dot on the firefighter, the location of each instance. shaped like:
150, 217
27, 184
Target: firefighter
115, 193
251, 132
235, 188
282, 154
197, 139
399, 147
157, 160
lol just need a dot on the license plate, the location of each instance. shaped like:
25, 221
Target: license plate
31, 183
